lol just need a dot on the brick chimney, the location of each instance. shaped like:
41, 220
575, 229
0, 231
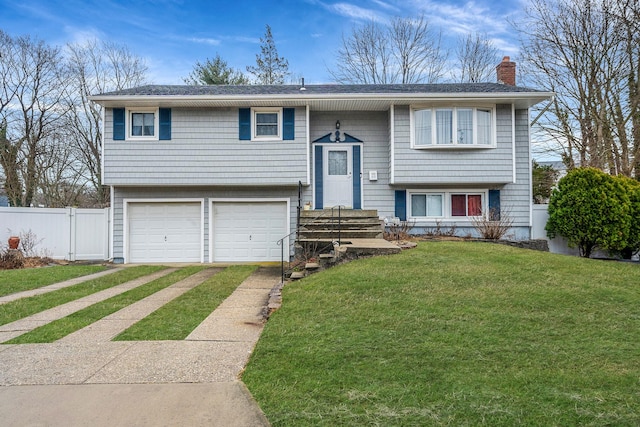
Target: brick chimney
506, 71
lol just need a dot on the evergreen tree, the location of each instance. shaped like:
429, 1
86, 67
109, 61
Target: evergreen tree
270, 68
215, 72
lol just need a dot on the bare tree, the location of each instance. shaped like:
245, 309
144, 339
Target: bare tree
365, 57
417, 50
626, 14
96, 67
62, 181
270, 68
477, 58
586, 54
405, 51
33, 82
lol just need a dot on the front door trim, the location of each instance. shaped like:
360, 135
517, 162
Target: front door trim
318, 165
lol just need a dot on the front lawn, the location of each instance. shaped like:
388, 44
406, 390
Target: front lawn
24, 307
60, 328
455, 333
12, 281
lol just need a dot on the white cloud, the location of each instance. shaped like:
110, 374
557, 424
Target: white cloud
355, 12
462, 19
243, 39
204, 40
387, 6
82, 36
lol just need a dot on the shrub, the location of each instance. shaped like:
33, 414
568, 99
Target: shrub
399, 231
591, 210
11, 259
493, 225
633, 242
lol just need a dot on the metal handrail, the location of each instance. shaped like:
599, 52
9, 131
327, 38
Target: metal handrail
280, 243
322, 214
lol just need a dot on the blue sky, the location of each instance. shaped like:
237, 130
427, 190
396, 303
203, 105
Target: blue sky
172, 35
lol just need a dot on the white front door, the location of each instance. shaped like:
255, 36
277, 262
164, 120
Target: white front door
337, 176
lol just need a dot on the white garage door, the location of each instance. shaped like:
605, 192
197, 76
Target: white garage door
248, 231
164, 232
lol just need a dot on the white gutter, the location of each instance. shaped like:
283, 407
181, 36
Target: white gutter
408, 98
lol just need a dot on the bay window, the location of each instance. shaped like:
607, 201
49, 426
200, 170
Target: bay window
454, 126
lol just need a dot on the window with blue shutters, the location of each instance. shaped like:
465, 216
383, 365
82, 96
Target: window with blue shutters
142, 124
266, 124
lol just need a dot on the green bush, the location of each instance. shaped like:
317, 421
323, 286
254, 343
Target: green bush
591, 210
633, 241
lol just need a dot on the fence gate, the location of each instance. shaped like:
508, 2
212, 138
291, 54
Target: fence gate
66, 233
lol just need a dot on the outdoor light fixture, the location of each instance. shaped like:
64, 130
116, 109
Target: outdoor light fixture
337, 124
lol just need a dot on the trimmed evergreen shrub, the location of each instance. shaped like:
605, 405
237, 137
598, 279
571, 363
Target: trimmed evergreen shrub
591, 210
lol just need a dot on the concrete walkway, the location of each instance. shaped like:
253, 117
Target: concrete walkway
26, 324
85, 379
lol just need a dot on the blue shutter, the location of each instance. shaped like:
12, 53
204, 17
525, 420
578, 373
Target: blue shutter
118, 124
317, 169
401, 204
165, 123
494, 205
288, 123
357, 190
244, 122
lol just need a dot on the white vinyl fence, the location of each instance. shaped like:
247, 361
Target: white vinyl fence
557, 245
68, 233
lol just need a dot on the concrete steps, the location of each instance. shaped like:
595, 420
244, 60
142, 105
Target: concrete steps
328, 236
330, 224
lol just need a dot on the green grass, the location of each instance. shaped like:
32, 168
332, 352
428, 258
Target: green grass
178, 318
62, 327
24, 307
12, 281
455, 333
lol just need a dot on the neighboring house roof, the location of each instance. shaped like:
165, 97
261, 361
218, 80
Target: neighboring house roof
329, 97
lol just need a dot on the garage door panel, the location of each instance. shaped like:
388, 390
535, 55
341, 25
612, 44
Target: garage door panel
165, 232
248, 231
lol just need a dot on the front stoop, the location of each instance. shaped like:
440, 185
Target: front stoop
360, 235
332, 225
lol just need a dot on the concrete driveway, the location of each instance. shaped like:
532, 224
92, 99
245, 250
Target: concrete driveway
86, 379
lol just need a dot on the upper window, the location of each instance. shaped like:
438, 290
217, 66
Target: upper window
266, 124
142, 124
455, 126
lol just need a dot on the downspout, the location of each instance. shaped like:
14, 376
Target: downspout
392, 143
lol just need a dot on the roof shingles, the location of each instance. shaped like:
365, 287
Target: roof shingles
328, 89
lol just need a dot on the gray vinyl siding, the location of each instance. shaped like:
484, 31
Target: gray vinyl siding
516, 197
372, 128
453, 166
177, 193
205, 150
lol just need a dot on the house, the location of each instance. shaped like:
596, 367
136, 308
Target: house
213, 173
